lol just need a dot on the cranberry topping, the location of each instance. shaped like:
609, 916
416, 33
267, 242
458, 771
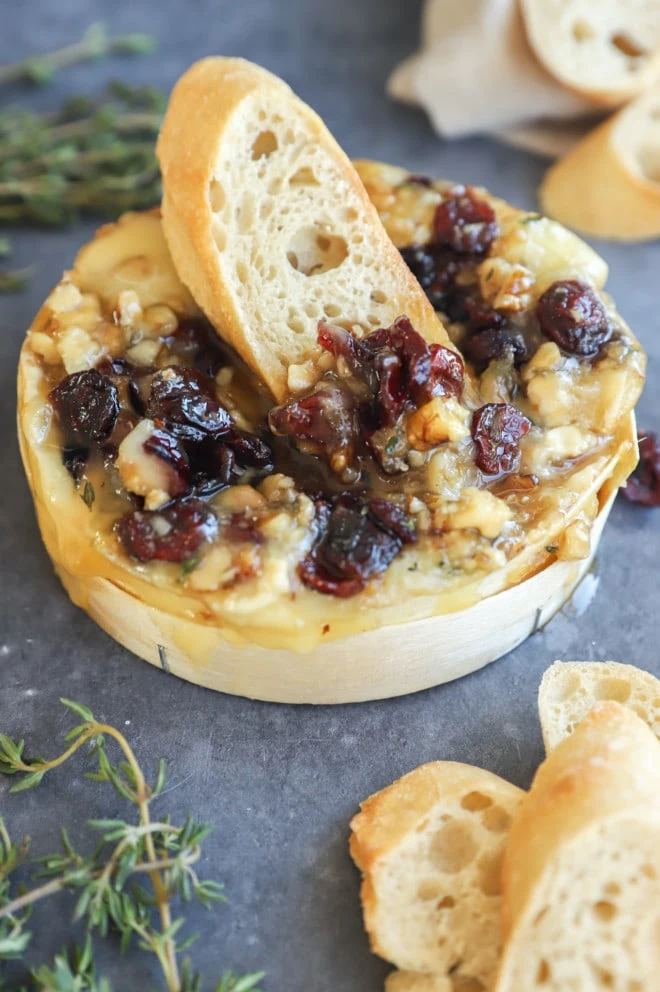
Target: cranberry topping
447, 372
493, 344
496, 430
436, 269
326, 418
184, 400
358, 540
400, 371
397, 365
465, 224
249, 450
166, 447
86, 405
242, 528
174, 533
643, 486
197, 343
570, 313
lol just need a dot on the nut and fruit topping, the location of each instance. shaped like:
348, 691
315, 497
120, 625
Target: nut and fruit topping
86, 405
571, 315
174, 533
356, 541
496, 430
393, 371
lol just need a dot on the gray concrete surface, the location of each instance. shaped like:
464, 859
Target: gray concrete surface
280, 783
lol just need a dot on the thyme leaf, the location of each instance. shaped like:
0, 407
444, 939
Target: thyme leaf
140, 872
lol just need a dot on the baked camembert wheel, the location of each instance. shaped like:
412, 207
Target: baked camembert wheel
401, 482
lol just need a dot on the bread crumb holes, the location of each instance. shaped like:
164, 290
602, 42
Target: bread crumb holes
264, 145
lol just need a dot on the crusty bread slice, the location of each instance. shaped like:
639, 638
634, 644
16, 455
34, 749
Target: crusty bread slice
268, 223
607, 51
608, 186
429, 847
570, 689
581, 902
412, 981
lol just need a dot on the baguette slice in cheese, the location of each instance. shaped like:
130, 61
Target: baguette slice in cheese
269, 225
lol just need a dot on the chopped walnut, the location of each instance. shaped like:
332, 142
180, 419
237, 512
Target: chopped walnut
441, 419
478, 509
65, 297
78, 350
505, 286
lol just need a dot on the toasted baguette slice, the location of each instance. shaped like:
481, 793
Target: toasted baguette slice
608, 186
581, 904
570, 689
607, 51
268, 223
412, 981
429, 847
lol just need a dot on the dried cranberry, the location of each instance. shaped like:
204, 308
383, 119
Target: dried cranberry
166, 447
174, 533
492, 344
465, 224
422, 262
643, 486
183, 399
570, 313
447, 372
480, 316
326, 418
196, 342
357, 542
214, 468
496, 430
241, 528
75, 459
87, 405
391, 394
393, 519
249, 450
340, 343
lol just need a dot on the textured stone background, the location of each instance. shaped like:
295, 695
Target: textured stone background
280, 783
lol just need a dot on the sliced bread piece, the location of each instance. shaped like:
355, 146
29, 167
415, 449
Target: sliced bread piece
608, 186
429, 847
570, 689
581, 902
269, 225
607, 51
412, 981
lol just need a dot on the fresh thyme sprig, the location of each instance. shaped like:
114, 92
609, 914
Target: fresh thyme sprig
90, 156
129, 884
94, 44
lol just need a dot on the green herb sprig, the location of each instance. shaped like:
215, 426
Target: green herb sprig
94, 44
132, 882
89, 157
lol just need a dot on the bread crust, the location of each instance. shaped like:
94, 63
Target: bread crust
591, 190
543, 40
570, 689
202, 107
607, 772
415, 806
